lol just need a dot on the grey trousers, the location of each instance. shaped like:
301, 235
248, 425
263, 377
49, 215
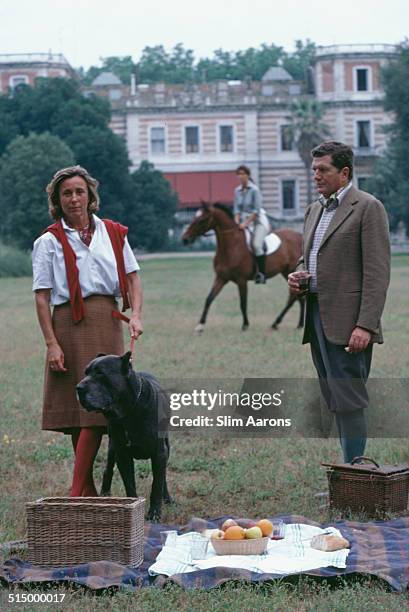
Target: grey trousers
342, 376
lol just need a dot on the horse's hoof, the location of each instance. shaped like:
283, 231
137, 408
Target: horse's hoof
199, 329
274, 326
244, 327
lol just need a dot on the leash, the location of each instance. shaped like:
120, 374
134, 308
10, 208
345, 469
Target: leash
118, 315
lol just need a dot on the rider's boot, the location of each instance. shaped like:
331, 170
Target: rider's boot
260, 277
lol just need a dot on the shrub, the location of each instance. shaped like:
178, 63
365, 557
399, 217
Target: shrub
14, 262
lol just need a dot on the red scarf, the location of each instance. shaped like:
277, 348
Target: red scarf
116, 233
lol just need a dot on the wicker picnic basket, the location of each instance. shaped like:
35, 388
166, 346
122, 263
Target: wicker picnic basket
256, 546
374, 489
72, 530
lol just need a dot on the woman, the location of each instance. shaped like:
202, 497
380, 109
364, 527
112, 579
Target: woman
249, 212
80, 265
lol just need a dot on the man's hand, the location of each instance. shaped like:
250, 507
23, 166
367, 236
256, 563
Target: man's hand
293, 281
293, 284
359, 340
242, 226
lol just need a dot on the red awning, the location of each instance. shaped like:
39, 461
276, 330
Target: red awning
193, 187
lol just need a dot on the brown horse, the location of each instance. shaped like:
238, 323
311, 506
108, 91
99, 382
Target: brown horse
234, 262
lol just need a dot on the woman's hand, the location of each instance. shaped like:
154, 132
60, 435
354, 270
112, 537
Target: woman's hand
55, 358
135, 326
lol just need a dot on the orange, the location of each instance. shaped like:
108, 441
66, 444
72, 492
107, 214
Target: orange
265, 526
234, 533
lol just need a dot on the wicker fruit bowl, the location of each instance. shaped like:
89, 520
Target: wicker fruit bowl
256, 546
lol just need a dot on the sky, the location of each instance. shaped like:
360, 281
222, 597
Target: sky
86, 30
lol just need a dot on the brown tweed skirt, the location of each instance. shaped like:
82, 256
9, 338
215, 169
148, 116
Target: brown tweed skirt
98, 332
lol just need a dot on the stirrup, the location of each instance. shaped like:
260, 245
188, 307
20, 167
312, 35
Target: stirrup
260, 279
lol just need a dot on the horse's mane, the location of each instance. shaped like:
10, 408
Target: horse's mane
226, 209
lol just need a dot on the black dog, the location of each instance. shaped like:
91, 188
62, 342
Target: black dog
136, 409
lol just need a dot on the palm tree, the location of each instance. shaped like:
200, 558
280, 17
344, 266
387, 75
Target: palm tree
308, 131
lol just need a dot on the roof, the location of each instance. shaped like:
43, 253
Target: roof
33, 58
106, 78
277, 73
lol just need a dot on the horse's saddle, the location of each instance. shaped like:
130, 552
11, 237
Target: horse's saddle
272, 242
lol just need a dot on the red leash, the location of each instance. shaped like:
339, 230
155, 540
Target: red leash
118, 315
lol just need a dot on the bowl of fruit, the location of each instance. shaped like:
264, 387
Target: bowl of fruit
232, 539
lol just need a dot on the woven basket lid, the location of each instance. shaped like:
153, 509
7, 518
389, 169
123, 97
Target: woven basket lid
368, 468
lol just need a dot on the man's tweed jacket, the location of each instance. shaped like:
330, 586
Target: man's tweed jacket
353, 266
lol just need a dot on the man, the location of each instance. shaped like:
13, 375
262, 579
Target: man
346, 252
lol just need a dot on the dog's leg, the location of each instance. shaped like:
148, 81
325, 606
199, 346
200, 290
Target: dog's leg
166, 495
109, 471
124, 461
158, 462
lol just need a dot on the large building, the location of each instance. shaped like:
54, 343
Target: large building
197, 134
25, 68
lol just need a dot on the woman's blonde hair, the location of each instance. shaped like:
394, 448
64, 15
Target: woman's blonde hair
53, 190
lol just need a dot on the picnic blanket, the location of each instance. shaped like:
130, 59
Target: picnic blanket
291, 555
378, 548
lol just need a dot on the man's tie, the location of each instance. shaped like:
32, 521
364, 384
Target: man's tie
329, 204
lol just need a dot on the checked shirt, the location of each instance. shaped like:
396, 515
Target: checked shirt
329, 208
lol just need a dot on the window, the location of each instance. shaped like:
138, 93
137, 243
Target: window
363, 134
286, 138
288, 197
226, 138
18, 79
157, 140
363, 182
362, 83
192, 139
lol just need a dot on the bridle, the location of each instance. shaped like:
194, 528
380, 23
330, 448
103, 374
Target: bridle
210, 220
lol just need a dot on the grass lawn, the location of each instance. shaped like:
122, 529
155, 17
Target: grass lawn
208, 476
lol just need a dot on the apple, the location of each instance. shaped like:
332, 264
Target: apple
217, 534
228, 523
253, 533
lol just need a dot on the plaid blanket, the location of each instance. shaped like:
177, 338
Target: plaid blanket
379, 548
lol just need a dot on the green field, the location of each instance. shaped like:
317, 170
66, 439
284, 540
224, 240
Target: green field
208, 476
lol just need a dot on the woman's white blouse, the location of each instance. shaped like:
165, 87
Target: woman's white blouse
96, 264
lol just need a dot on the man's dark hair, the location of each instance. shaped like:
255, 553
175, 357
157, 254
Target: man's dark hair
342, 155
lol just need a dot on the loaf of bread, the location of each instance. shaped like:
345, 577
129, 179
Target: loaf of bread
329, 542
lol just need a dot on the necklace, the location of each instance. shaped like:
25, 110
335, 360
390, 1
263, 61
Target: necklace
85, 234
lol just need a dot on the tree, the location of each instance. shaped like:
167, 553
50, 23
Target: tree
122, 67
179, 65
53, 105
104, 155
8, 126
156, 65
299, 62
390, 181
154, 205
308, 130
58, 107
26, 167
